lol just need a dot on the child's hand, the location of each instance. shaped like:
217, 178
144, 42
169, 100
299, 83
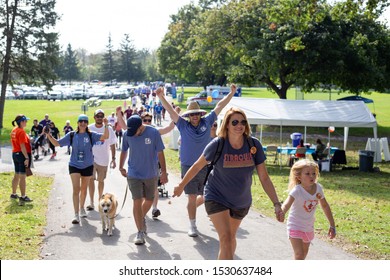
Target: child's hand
280, 215
332, 232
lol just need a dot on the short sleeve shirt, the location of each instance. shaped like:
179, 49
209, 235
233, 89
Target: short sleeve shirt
301, 216
143, 153
101, 149
194, 139
19, 136
230, 181
81, 156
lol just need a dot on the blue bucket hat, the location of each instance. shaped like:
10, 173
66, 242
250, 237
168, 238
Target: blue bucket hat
82, 117
133, 123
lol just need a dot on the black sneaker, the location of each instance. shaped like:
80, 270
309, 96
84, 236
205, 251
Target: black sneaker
25, 199
14, 196
156, 213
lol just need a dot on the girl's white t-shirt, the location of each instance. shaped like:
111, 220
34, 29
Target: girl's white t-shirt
302, 210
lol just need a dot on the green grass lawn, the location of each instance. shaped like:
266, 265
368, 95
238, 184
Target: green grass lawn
360, 201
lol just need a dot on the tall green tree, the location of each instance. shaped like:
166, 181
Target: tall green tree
108, 67
70, 67
28, 50
128, 68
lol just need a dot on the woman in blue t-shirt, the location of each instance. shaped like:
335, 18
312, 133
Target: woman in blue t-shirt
227, 192
81, 160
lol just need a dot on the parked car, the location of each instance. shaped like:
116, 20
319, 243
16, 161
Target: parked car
80, 94
103, 93
120, 94
201, 99
55, 95
9, 94
30, 94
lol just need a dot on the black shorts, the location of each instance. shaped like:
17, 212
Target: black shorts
213, 207
86, 172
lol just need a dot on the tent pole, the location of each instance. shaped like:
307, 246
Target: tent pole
280, 145
261, 133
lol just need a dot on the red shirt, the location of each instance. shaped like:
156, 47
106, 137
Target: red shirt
300, 155
19, 136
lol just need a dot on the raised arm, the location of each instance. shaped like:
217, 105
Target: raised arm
224, 101
106, 134
120, 118
174, 115
166, 129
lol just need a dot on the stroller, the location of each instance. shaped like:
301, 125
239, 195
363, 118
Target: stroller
36, 143
161, 187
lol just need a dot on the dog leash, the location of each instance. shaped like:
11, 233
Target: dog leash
123, 204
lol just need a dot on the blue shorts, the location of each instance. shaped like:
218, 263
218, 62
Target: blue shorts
18, 159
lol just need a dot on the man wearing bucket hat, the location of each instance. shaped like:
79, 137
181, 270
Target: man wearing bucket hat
194, 126
146, 150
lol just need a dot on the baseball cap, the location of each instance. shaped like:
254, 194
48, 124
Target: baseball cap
21, 119
82, 117
133, 123
99, 111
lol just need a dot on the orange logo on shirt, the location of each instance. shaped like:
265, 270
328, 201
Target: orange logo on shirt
310, 205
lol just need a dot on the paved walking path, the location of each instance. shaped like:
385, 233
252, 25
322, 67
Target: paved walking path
259, 237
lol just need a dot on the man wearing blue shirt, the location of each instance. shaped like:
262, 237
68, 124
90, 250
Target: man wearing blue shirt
146, 149
195, 135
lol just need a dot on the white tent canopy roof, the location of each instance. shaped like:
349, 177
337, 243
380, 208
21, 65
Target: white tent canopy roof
308, 113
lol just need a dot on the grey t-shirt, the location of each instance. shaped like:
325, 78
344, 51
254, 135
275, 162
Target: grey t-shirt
230, 181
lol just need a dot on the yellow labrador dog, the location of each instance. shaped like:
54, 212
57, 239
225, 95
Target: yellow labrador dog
107, 208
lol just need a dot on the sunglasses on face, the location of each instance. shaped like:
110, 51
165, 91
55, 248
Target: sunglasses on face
99, 116
215, 125
83, 121
194, 114
236, 122
147, 120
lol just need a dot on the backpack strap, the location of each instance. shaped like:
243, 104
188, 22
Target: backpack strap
217, 155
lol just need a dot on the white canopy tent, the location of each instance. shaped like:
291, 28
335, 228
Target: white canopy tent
307, 113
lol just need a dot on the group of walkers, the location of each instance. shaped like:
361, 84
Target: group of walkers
215, 171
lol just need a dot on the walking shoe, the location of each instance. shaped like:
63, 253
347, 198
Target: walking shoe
14, 196
36, 157
52, 156
83, 214
90, 207
139, 239
76, 219
193, 232
156, 213
25, 199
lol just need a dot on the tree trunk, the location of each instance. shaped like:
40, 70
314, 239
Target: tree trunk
9, 30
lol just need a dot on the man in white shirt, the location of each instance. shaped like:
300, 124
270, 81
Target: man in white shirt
101, 154
112, 120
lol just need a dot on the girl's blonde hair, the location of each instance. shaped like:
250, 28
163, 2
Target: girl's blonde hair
296, 171
223, 128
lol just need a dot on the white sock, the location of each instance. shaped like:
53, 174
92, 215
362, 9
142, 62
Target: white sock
193, 223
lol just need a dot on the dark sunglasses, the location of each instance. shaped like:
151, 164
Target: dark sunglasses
147, 120
215, 125
236, 122
194, 114
99, 116
83, 121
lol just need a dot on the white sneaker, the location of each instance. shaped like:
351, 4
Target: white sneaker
76, 219
139, 239
193, 231
83, 214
